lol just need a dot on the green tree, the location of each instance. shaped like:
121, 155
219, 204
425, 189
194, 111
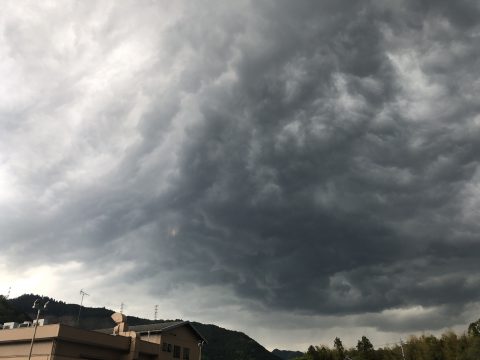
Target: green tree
312, 353
449, 343
473, 351
364, 345
324, 353
474, 328
365, 349
339, 349
423, 348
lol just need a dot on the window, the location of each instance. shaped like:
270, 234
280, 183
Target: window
169, 347
186, 354
164, 347
176, 351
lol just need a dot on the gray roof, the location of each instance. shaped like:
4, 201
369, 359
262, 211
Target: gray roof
157, 328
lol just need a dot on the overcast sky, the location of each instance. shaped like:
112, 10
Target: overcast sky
298, 170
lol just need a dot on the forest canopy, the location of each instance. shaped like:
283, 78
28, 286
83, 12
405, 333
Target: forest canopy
449, 346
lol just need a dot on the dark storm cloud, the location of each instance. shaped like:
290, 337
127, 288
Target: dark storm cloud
309, 186
318, 157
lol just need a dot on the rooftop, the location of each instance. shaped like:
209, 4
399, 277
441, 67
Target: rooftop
157, 328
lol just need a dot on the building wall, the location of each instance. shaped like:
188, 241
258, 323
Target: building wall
155, 338
182, 337
72, 351
61, 342
19, 351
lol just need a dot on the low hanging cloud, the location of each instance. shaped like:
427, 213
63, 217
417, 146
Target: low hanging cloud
319, 158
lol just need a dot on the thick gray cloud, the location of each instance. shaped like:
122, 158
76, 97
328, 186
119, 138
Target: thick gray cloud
319, 158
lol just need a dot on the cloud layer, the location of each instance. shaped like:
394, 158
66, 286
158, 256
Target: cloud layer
313, 158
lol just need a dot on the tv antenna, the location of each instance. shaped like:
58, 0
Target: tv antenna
83, 294
156, 312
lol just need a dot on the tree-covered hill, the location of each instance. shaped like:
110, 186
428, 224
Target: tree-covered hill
287, 354
449, 346
61, 312
9, 313
222, 344
227, 344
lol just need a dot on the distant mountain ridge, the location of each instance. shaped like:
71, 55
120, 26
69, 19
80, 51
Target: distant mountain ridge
287, 354
61, 312
222, 344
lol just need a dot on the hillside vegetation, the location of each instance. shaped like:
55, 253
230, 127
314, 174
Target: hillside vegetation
448, 346
287, 354
9, 313
63, 313
222, 344
227, 344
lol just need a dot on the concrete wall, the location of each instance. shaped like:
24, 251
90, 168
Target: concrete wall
182, 336
60, 342
19, 351
154, 338
69, 350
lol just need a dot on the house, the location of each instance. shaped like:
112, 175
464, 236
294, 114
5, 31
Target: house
163, 341
177, 340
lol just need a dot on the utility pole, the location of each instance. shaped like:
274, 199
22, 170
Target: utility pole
39, 308
200, 346
121, 307
401, 347
156, 312
82, 293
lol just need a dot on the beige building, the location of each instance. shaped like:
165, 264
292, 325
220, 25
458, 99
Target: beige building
162, 341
